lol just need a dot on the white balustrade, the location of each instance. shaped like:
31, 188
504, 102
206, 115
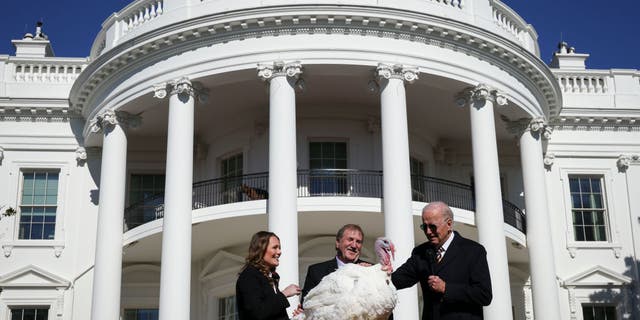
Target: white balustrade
143, 12
452, 3
47, 73
582, 83
506, 23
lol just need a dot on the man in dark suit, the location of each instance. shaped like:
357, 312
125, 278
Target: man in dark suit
452, 270
348, 246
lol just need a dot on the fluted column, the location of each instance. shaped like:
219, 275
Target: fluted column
544, 287
396, 175
108, 257
175, 272
282, 206
489, 215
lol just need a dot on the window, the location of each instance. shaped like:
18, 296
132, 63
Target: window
417, 183
141, 314
30, 313
327, 164
144, 186
227, 308
598, 312
231, 166
38, 205
231, 172
588, 208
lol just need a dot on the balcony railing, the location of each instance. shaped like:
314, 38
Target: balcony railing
318, 183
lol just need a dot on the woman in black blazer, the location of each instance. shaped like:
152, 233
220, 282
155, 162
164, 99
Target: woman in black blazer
257, 292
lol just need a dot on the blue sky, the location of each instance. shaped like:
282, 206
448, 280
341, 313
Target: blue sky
604, 29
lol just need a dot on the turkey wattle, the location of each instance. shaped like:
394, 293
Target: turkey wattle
354, 292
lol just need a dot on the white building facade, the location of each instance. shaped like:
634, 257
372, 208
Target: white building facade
132, 180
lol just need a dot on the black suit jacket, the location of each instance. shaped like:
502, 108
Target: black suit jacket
256, 298
465, 270
316, 272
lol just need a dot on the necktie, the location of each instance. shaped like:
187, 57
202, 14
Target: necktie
439, 254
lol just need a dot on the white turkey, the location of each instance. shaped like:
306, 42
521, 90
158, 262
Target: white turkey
354, 292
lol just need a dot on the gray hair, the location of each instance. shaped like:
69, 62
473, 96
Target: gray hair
441, 207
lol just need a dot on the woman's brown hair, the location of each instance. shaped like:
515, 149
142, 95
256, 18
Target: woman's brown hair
257, 248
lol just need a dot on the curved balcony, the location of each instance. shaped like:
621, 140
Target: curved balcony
144, 16
318, 183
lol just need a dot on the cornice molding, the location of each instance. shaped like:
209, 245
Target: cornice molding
599, 123
152, 47
36, 114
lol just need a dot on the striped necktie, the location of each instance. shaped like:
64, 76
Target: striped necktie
439, 254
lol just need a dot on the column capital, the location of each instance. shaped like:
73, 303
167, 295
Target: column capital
183, 87
548, 160
625, 160
111, 118
81, 156
397, 71
481, 92
267, 71
536, 126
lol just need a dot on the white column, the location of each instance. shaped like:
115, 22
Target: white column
630, 166
544, 287
282, 206
107, 274
175, 274
396, 175
489, 215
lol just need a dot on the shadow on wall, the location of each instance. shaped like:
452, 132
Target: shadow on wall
631, 296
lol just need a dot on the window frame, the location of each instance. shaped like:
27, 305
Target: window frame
236, 314
16, 181
140, 173
610, 200
600, 305
604, 209
23, 307
124, 310
339, 181
41, 301
19, 204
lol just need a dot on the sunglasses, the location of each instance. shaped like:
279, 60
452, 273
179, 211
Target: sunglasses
431, 226
424, 226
